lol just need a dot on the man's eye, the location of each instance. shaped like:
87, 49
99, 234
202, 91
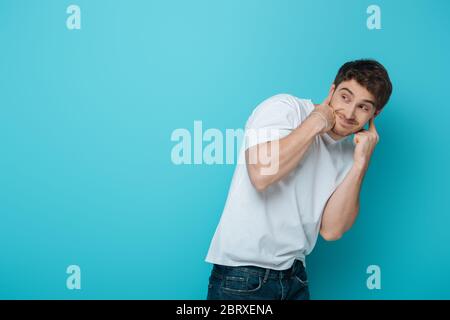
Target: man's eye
344, 97
365, 108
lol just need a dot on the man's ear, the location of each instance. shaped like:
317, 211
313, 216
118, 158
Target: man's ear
377, 112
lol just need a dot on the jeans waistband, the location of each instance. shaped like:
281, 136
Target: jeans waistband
267, 273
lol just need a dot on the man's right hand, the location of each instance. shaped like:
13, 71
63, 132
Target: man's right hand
285, 154
323, 114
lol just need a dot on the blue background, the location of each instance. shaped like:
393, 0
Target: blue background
86, 116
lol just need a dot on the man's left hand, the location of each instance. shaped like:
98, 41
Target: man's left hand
365, 141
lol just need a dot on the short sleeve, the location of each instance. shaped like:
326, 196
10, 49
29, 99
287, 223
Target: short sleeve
272, 119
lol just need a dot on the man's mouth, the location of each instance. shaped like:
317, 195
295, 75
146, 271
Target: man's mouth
345, 123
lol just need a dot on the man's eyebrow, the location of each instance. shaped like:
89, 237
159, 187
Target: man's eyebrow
365, 100
347, 90
370, 101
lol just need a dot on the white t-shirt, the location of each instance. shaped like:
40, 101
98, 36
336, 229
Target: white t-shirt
272, 228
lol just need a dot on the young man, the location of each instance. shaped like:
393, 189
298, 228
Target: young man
304, 180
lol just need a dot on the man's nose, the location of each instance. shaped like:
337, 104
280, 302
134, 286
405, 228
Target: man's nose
349, 112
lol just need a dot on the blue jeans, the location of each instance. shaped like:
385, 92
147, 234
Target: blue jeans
255, 283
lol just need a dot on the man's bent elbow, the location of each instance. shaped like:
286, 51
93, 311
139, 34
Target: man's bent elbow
330, 235
259, 183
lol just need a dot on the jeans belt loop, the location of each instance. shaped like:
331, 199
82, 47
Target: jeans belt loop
266, 275
294, 268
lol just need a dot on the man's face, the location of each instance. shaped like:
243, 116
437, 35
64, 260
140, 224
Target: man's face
353, 106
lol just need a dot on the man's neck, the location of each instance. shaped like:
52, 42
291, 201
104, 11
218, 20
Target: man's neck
335, 136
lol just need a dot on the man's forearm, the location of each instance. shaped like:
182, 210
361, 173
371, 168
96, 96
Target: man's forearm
289, 152
342, 208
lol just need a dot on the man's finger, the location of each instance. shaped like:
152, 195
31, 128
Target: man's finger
372, 125
360, 130
330, 95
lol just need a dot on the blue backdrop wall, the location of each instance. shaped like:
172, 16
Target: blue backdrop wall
86, 118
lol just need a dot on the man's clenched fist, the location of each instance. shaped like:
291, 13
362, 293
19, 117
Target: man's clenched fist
365, 142
324, 113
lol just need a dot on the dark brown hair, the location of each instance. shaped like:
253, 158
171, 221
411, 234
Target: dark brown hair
371, 75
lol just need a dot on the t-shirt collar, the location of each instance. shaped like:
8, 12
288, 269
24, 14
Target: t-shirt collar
330, 140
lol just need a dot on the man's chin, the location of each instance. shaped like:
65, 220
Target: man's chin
341, 133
